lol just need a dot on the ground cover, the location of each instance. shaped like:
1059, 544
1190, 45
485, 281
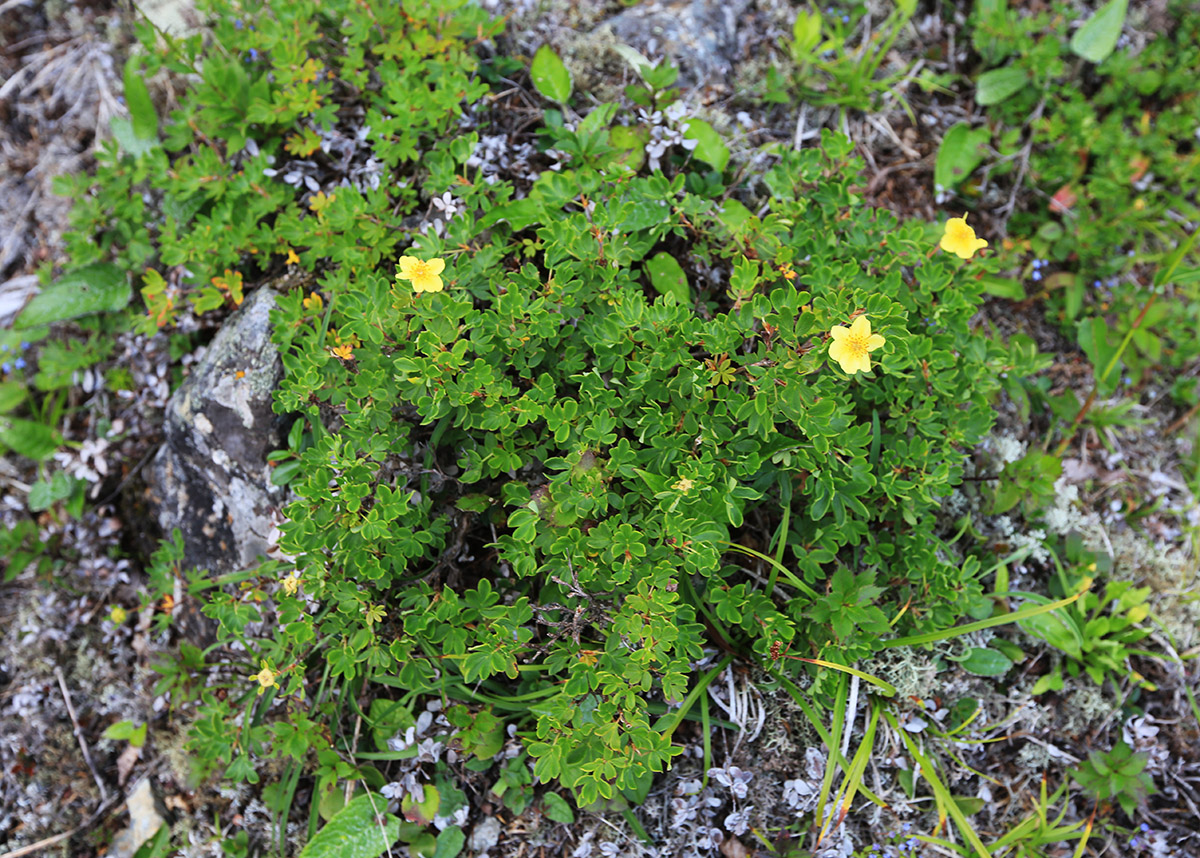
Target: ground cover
659, 463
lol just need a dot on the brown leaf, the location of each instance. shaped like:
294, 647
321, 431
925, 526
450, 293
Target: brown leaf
126, 761
731, 847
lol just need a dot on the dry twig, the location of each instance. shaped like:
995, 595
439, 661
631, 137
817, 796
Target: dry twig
83, 746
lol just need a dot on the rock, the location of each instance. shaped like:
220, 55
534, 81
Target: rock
210, 478
177, 17
144, 821
699, 36
485, 835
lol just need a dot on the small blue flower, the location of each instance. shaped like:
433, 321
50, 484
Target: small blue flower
1145, 828
906, 827
1036, 275
237, 23
254, 55
1134, 843
5, 368
3, 347
1096, 284
19, 363
24, 346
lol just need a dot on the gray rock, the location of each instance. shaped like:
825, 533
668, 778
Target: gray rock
700, 36
485, 835
144, 821
211, 478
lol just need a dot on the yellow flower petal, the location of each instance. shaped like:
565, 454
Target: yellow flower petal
959, 238
423, 273
851, 347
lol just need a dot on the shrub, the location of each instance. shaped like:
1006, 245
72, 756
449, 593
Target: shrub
540, 471
598, 446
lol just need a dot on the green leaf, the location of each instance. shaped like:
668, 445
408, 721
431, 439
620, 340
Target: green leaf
355, 831
635, 58
97, 288
557, 809
992, 87
449, 843
1054, 630
709, 145
550, 76
969, 805
44, 494
137, 98
1093, 339
1097, 38
125, 731
130, 142
12, 394
960, 153
667, 277
806, 33
981, 661
1003, 287
421, 812
28, 438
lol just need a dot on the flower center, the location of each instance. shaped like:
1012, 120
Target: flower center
420, 269
856, 344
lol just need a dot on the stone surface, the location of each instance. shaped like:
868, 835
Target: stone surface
210, 478
485, 835
700, 36
144, 821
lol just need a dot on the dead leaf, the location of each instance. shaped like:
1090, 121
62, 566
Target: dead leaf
126, 761
731, 847
1064, 198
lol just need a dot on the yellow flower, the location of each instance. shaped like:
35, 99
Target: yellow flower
266, 678
960, 239
313, 302
422, 273
291, 584
344, 351
118, 616
292, 258
851, 347
683, 485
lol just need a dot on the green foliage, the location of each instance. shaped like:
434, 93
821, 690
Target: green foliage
1095, 632
1113, 157
825, 66
1117, 774
97, 288
1097, 38
126, 731
362, 829
960, 153
550, 76
518, 495
556, 400
212, 208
